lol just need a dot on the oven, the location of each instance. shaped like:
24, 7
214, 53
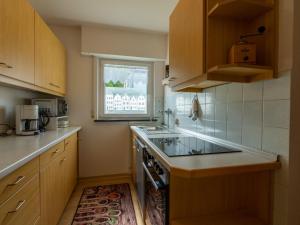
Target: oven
156, 191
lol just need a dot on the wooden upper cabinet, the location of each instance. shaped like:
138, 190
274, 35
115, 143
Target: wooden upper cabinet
17, 40
204, 32
186, 40
50, 58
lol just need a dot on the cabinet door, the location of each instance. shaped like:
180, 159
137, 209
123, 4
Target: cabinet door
50, 58
71, 165
186, 40
53, 190
17, 40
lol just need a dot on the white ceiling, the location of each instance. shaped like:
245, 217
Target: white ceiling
138, 14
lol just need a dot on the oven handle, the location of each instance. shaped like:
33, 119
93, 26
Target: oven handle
138, 144
157, 185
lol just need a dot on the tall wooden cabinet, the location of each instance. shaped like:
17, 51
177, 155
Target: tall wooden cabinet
17, 40
50, 58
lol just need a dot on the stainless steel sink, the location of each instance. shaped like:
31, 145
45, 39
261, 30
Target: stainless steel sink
158, 130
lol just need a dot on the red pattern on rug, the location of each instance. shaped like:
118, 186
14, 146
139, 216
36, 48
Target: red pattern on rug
106, 205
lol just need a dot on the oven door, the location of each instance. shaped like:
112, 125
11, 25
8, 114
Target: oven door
156, 198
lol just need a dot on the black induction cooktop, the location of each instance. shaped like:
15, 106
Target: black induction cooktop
188, 146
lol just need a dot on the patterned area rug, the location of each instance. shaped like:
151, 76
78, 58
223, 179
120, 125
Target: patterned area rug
105, 205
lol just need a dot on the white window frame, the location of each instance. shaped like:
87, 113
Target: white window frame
99, 89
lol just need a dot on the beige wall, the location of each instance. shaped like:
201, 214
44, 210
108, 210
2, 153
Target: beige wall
294, 195
104, 147
123, 42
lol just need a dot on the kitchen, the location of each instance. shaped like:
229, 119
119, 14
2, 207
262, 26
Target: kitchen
250, 108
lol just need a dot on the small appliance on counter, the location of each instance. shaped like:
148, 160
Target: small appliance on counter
52, 107
52, 113
27, 120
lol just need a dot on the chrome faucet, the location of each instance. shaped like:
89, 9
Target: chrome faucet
168, 112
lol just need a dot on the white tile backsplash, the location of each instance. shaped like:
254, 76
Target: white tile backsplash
210, 95
235, 92
253, 91
275, 140
277, 113
252, 114
278, 88
251, 136
221, 112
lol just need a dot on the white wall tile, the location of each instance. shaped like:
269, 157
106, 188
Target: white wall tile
209, 127
210, 95
275, 140
221, 112
220, 130
253, 91
277, 113
209, 112
235, 92
234, 113
234, 132
251, 136
252, 114
221, 93
277, 88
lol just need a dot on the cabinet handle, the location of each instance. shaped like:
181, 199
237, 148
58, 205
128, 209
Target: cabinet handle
19, 179
67, 143
19, 206
172, 78
56, 151
64, 159
54, 85
2, 64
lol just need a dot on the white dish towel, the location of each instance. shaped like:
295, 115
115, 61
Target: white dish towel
195, 111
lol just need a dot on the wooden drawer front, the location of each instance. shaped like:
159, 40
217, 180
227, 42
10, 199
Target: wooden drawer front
71, 141
10, 184
24, 207
51, 154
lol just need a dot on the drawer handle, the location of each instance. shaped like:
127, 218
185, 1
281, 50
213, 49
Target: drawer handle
54, 85
19, 206
2, 64
64, 159
19, 179
67, 143
56, 151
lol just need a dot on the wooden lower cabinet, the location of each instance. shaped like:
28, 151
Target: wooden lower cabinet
52, 191
24, 207
71, 168
58, 180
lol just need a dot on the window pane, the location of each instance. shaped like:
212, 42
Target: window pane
125, 89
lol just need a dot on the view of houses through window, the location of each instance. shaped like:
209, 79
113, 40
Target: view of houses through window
125, 89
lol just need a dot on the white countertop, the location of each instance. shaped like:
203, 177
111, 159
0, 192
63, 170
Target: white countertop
206, 165
15, 151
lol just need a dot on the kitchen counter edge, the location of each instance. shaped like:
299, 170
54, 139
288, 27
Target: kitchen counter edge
16, 165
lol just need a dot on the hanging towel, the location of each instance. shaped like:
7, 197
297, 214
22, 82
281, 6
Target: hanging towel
195, 109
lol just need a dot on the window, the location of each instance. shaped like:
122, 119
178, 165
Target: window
124, 89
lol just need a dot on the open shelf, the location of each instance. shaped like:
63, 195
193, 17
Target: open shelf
239, 9
224, 219
240, 72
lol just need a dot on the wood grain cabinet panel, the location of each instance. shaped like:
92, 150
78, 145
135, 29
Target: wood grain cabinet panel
50, 58
53, 190
12, 183
186, 39
71, 172
24, 207
17, 40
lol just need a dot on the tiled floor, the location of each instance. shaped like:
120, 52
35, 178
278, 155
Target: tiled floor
70, 210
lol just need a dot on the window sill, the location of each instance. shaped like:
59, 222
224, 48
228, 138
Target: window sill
125, 120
